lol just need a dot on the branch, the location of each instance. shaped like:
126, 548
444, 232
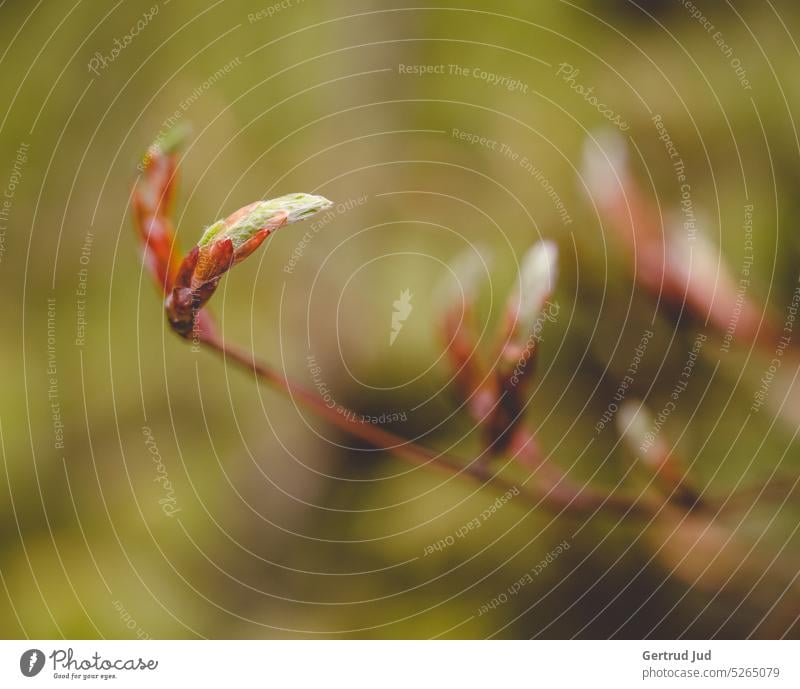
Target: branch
576, 500
190, 283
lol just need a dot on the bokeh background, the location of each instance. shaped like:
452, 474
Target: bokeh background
278, 524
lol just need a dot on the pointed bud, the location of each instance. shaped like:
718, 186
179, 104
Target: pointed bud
171, 142
635, 425
226, 243
247, 228
470, 267
538, 276
537, 280
153, 195
692, 258
520, 334
637, 429
247, 222
459, 297
605, 165
699, 275
622, 205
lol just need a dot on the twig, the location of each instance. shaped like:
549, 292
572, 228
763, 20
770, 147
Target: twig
189, 284
560, 497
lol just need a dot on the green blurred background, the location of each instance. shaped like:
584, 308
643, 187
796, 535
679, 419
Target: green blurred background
286, 527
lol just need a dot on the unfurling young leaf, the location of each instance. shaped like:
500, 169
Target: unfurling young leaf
224, 244
538, 275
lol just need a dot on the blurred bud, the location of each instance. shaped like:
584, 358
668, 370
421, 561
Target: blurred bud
470, 267
537, 280
170, 143
696, 549
697, 273
638, 430
538, 275
725, 559
635, 425
605, 165
503, 392
623, 207
226, 243
458, 326
678, 264
695, 270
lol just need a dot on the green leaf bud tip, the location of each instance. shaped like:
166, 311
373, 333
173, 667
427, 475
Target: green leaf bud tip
244, 224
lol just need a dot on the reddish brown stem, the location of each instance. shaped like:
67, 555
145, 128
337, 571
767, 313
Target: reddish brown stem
375, 436
552, 489
576, 500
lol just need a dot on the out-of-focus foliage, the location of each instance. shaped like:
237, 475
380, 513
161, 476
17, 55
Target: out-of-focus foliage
277, 527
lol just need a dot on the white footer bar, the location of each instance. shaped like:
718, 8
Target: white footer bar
401, 664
